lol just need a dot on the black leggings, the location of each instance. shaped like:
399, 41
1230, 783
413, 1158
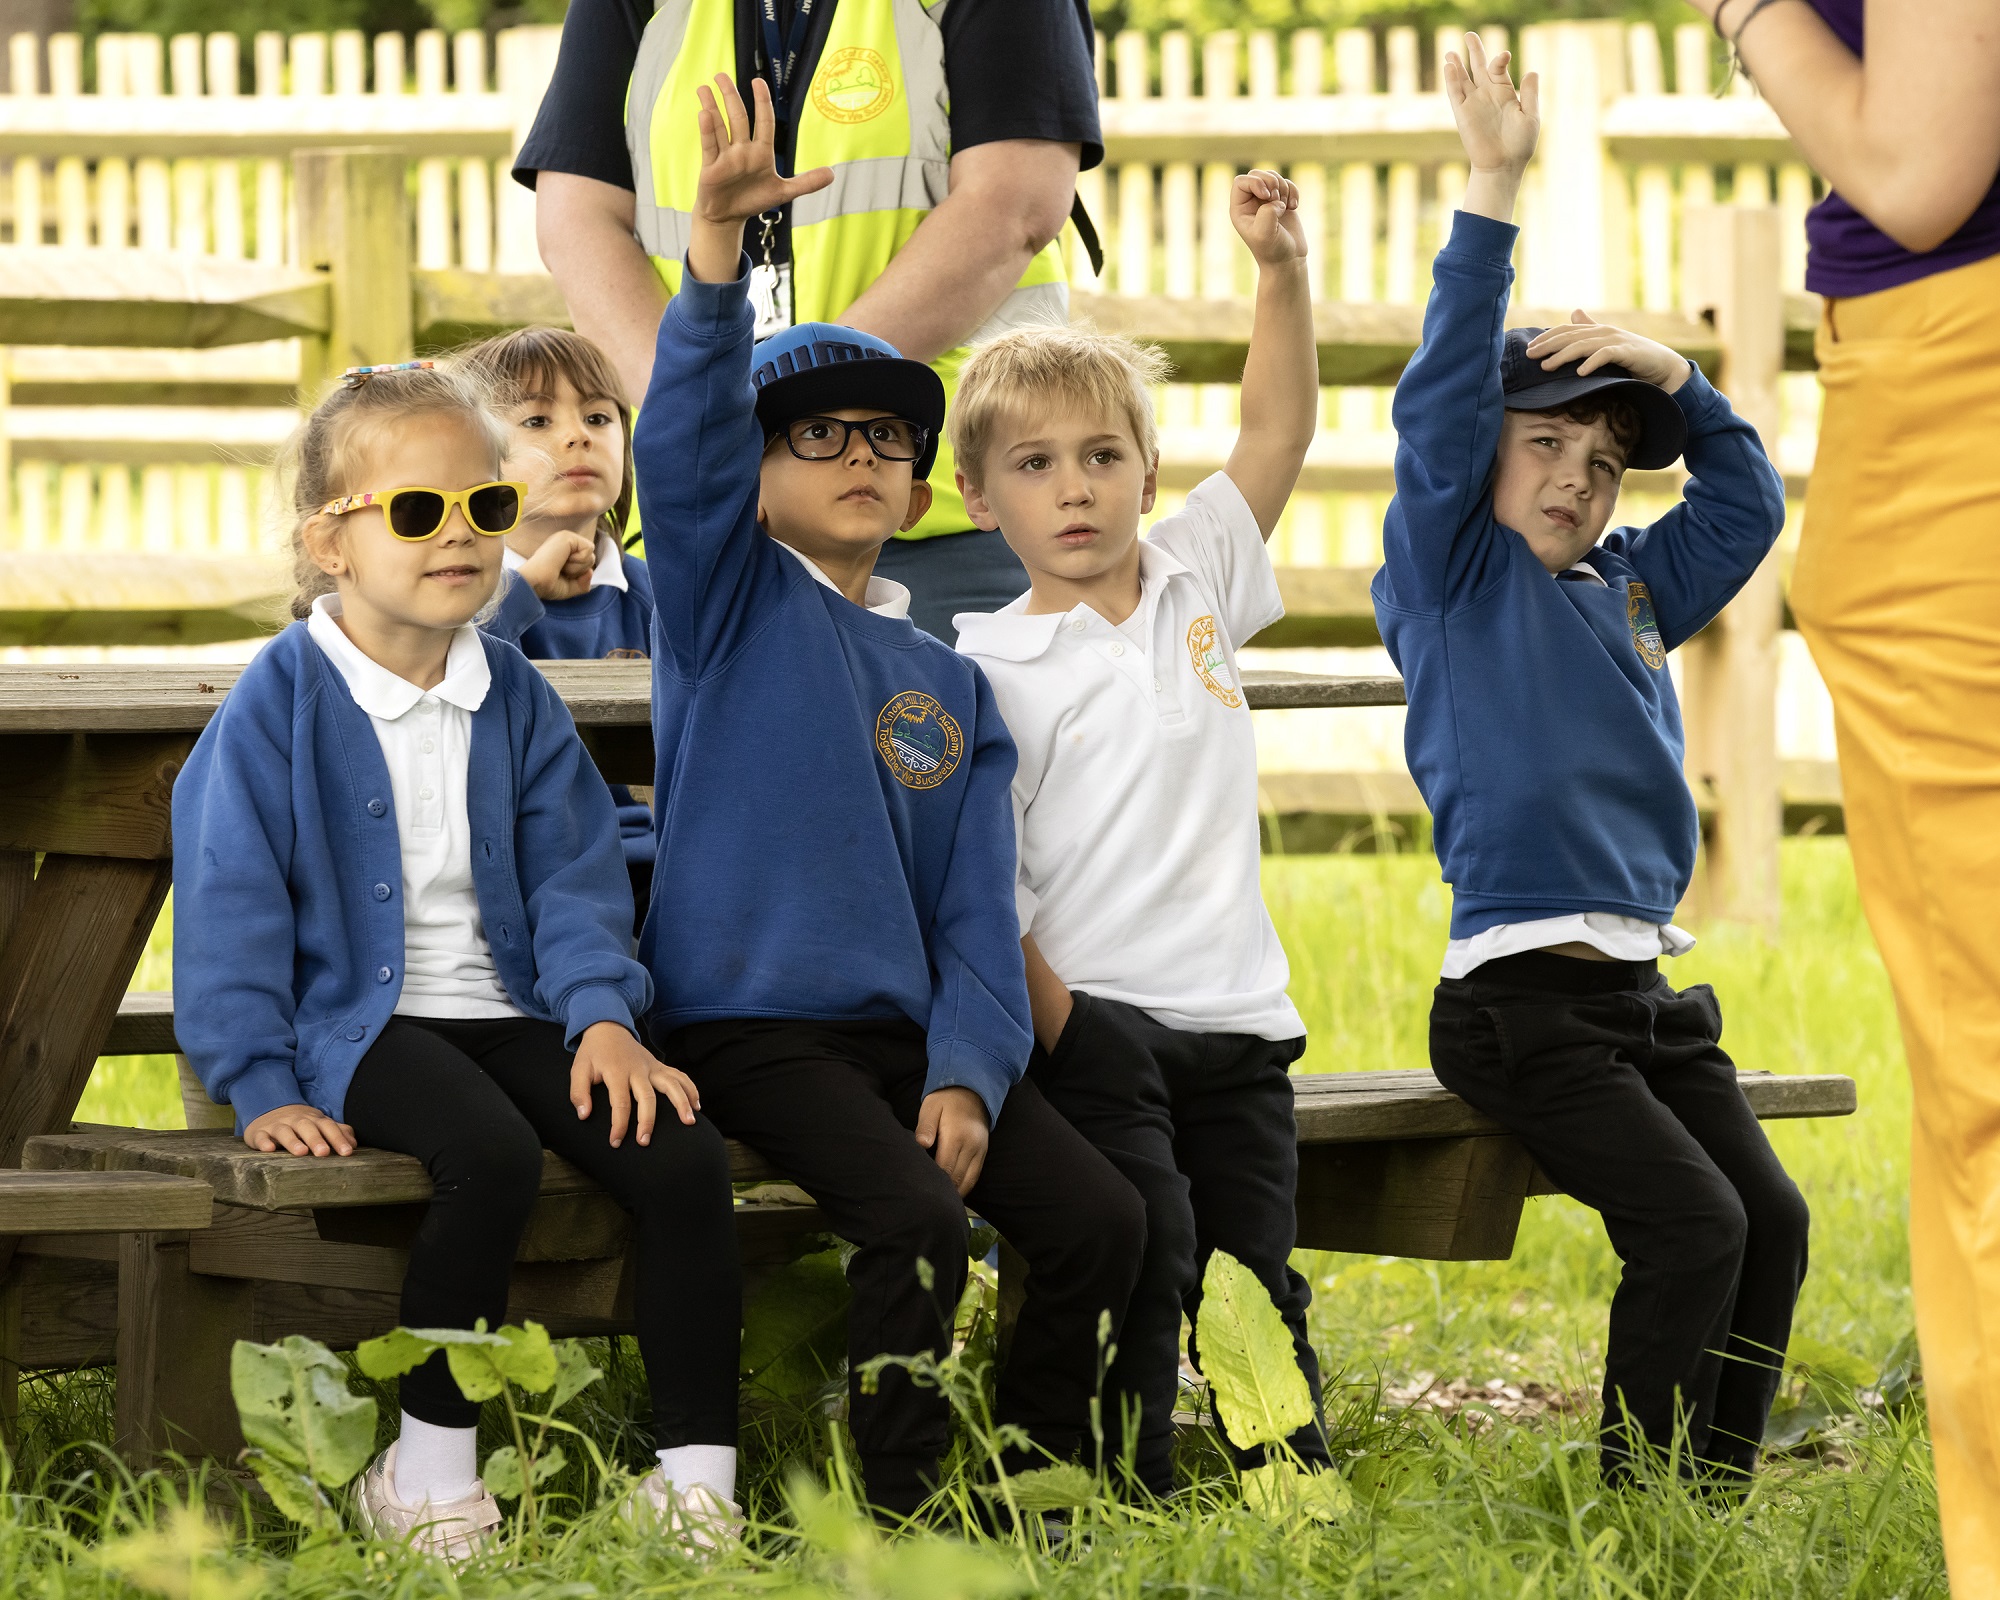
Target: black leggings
476, 1102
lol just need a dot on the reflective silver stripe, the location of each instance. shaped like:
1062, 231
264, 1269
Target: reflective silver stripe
879, 183
1038, 305
660, 232
920, 42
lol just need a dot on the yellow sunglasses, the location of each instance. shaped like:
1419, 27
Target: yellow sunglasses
417, 514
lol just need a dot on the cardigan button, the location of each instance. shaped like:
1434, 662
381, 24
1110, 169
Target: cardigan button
383, 974
382, 891
376, 808
356, 1035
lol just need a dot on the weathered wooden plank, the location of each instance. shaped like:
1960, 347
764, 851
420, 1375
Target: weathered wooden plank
278, 1181
99, 597
453, 305
72, 295
91, 795
101, 1202
66, 1308
63, 971
144, 1025
183, 433
1434, 1199
240, 128
176, 1329
1696, 128
1336, 127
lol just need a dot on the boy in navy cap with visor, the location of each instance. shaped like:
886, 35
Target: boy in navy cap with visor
1545, 735
832, 932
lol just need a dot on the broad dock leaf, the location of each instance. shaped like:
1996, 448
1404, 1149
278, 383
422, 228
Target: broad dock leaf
1246, 1354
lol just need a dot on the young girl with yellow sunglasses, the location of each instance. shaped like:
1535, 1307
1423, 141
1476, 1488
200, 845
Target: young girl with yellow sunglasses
401, 919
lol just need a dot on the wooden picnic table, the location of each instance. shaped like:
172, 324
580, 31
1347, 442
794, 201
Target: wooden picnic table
158, 1249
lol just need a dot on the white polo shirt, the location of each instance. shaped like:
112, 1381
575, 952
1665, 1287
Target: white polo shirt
426, 739
1136, 794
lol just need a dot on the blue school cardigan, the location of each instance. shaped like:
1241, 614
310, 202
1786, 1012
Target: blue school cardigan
288, 916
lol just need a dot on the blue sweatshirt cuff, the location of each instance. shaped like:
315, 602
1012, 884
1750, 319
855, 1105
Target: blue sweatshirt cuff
264, 1087
709, 310
1700, 401
1481, 239
959, 1064
592, 1004
519, 610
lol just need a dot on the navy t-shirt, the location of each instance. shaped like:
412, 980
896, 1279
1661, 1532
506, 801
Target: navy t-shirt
1017, 69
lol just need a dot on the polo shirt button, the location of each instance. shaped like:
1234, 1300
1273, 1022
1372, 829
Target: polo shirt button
1076, 625
1158, 687
1117, 649
376, 808
355, 1035
382, 891
424, 794
383, 974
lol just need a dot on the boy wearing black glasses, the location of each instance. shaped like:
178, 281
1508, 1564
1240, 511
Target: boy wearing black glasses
832, 931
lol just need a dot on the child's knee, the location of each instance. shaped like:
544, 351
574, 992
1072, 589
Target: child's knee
502, 1168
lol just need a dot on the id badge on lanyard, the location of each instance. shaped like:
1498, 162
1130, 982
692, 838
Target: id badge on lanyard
770, 280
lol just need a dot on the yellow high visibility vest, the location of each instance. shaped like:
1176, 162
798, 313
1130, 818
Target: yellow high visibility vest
876, 112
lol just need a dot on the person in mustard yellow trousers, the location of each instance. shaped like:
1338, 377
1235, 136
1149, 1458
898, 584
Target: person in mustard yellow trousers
1897, 591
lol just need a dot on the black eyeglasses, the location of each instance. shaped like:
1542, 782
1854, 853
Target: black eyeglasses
825, 438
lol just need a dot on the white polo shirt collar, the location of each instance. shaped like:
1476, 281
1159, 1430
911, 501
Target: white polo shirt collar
377, 690
886, 597
1013, 634
609, 573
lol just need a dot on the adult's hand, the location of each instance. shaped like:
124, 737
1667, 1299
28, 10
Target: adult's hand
302, 1130
1910, 136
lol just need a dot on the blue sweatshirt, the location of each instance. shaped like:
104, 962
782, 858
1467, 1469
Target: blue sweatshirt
1543, 728
596, 624
288, 915
836, 830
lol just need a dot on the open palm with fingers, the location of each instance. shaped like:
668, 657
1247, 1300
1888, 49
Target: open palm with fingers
739, 167
1497, 126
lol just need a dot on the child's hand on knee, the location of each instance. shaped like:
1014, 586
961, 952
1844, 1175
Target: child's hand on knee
302, 1130
633, 1078
952, 1126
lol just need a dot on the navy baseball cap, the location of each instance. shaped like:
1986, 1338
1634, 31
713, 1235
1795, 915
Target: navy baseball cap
819, 367
1526, 385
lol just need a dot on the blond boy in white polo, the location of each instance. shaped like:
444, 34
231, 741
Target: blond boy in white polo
1157, 981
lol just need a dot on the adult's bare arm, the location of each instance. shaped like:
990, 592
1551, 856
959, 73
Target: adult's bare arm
584, 228
1911, 135
1008, 199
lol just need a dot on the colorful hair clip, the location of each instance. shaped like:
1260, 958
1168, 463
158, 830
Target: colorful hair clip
355, 377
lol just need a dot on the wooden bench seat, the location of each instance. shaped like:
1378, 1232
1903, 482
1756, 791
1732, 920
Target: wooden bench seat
73, 1201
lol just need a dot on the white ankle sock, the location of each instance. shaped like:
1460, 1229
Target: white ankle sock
435, 1464
710, 1464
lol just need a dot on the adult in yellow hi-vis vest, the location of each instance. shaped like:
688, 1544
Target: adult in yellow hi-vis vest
955, 131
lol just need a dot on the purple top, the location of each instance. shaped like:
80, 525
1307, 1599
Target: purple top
1846, 253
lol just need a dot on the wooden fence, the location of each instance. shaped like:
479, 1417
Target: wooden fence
176, 267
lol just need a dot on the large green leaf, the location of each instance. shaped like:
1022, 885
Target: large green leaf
502, 1472
468, 1351
293, 1493
1246, 1355
1054, 1488
294, 1405
574, 1374
795, 1328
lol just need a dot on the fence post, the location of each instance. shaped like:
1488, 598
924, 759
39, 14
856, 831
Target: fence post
1574, 212
1733, 261
354, 224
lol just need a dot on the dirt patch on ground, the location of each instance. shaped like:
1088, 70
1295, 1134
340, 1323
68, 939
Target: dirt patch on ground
1479, 1403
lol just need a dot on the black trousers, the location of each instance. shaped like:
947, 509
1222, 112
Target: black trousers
1203, 1126
1619, 1086
832, 1106
476, 1102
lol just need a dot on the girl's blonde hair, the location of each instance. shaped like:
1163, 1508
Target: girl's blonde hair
321, 459
527, 362
1032, 369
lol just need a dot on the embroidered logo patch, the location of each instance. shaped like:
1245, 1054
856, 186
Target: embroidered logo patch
1645, 626
1211, 665
853, 85
918, 740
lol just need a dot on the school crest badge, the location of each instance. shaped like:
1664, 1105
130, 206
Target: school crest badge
1211, 663
918, 739
853, 85
1645, 626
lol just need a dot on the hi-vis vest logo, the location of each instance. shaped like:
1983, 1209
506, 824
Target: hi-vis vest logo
1210, 664
919, 742
1645, 626
853, 85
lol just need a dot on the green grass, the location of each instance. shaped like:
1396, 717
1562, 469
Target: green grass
1464, 1507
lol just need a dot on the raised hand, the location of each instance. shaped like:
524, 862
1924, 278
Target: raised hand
1595, 344
1264, 209
1497, 126
739, 168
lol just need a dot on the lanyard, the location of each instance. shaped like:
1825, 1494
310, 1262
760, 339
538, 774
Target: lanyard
781, 51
